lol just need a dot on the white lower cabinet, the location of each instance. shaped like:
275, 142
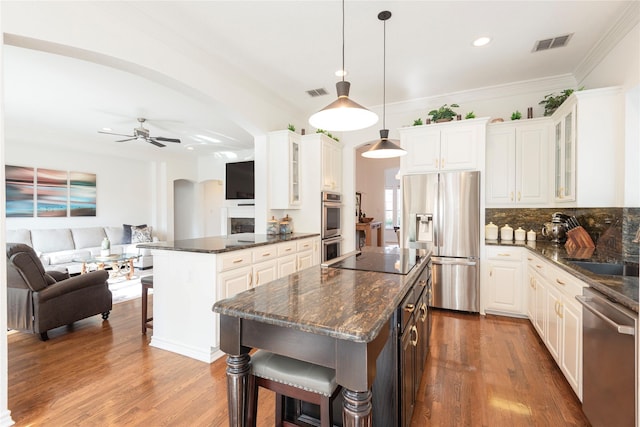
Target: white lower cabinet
557, 316
504, 281
244, 269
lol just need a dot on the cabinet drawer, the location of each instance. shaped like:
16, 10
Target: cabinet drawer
287, 248
537, 264
304, 245
264, 253
569, 285
234, 259
502, 253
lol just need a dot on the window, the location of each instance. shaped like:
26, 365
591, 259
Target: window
392, 207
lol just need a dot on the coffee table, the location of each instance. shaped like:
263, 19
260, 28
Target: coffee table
117, 262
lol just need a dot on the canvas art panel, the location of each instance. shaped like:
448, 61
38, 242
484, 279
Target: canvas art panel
52, 193
19, 185
82, 194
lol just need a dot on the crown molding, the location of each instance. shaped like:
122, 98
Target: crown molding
552, 83
629, 18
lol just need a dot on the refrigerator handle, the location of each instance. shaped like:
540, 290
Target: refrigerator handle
440, 217
453, 261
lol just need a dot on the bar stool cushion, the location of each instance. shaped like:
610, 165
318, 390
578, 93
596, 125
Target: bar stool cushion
292, 372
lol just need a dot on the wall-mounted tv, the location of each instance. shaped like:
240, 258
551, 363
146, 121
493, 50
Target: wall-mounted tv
239, 181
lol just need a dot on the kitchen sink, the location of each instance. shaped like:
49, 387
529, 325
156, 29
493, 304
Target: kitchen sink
609, 269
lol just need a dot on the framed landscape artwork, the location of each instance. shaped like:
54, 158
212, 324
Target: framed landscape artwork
82, 194
52, 191
19, 191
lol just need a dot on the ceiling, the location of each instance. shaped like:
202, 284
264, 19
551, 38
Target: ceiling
290, 47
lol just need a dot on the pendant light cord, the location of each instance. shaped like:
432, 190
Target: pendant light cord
343, 70
384, 72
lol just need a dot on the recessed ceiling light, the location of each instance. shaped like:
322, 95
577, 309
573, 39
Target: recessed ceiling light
107, 130
341, 73
190, 148
481, 41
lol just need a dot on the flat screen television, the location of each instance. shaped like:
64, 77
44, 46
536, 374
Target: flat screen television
239, 181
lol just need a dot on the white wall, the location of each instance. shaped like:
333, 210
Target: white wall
124, 188
371, 182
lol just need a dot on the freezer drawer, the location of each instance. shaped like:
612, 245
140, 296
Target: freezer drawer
456, 284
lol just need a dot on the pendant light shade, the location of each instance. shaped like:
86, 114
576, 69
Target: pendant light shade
384, 148
343, 114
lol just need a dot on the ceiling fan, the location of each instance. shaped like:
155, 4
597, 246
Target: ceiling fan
142, 133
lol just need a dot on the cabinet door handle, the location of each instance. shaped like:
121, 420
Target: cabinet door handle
250, 279
266, 254
519, 196
560, 310
409, 308
236, 261
414, 330
491, 273
511, 196
538, 266
442, 163
423, 310
504, 254
560, 282
555, 308
437, 162
422, 283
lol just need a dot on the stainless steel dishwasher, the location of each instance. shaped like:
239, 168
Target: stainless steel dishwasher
609, 362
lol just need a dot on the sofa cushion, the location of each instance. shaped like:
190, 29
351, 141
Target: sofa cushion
54, 240
63, 257
88, 237
140, 234
19, 236
127, 231
115, 235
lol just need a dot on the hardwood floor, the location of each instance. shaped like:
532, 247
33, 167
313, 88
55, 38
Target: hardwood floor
481, 371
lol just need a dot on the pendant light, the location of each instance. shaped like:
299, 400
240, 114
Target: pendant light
385, 148
343, 114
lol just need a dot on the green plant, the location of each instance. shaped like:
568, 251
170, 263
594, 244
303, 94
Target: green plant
417, 122
551, 102
516, 115
443, 113
327, 133
470, 115
291, 127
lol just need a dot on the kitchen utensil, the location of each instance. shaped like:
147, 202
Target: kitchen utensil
556, 232
520, 234
577, 236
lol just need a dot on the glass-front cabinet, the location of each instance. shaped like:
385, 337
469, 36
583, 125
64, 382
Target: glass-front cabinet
285, 170
565, 155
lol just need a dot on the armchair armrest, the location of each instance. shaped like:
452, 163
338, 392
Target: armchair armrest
58, 275
94, 278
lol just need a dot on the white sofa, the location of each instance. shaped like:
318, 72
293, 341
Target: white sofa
58, 247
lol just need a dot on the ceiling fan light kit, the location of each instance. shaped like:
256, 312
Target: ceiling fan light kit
142, 134
385, 148
343, 114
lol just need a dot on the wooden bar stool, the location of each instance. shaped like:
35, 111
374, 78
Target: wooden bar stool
296, 379
147, 283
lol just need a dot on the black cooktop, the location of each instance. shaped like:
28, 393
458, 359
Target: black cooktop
396, 263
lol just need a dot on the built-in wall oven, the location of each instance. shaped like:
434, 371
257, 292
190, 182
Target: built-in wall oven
331, 225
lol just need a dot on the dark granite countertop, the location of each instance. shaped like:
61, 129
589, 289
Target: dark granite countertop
622, 289
219, 244
344, 304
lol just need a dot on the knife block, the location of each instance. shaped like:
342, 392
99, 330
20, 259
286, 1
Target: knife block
578, 238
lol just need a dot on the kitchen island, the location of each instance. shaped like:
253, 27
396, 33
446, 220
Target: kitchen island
332, 317
191, 275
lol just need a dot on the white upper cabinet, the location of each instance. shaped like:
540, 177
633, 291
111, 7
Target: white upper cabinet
454, 145
588, 138
331, 165
516, 163
285, 168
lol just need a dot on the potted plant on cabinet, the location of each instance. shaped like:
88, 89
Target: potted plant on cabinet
551, 102
444, 113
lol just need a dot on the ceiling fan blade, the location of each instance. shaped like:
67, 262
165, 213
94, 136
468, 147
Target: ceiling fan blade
160, 138
111, 133
154, 142
125, 140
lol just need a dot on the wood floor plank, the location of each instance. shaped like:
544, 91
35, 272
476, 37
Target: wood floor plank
481, 372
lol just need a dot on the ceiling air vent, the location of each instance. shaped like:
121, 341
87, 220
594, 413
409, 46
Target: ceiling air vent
559, 41
317, 92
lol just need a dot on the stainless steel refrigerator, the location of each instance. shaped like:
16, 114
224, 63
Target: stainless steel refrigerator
441, 211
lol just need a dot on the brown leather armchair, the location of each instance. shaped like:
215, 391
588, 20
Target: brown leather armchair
39, 300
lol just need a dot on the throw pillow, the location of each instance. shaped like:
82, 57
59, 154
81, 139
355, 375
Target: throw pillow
127, 232
140, 234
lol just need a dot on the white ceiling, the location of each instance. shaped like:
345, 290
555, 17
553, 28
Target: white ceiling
294, 46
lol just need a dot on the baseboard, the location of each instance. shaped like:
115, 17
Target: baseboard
201, 354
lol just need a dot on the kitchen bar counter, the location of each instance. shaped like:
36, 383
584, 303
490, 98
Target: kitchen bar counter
220, 244
332, 317
622, 289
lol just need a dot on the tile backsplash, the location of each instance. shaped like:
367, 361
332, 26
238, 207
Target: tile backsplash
613, 230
